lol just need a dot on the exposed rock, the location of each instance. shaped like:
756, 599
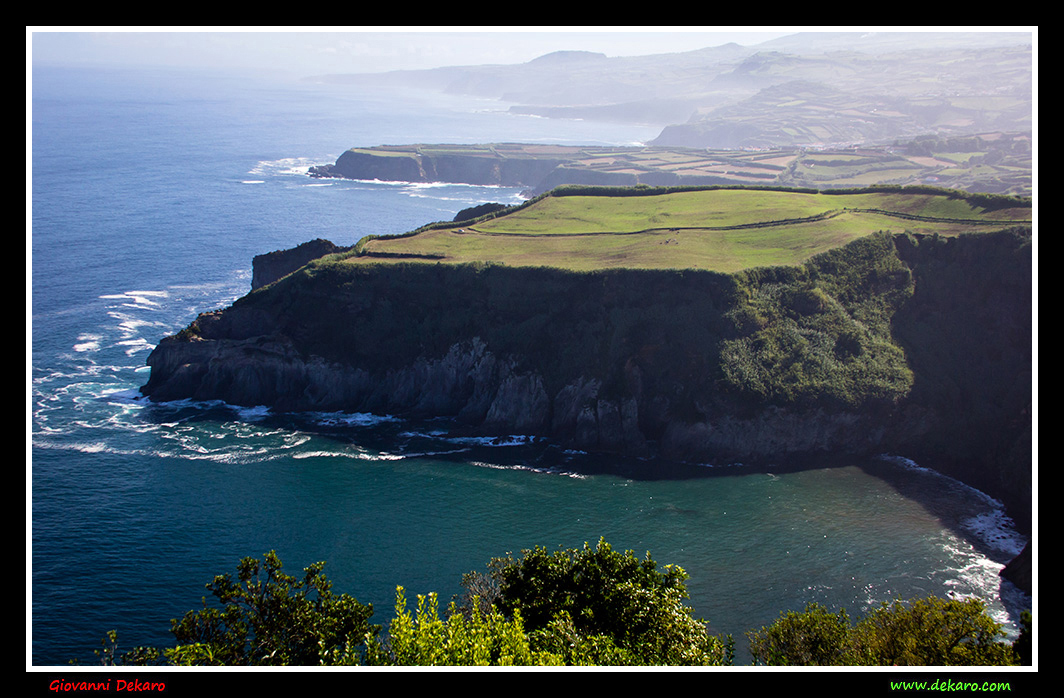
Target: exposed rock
1020, 570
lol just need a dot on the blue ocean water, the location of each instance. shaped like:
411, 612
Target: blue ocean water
151, 192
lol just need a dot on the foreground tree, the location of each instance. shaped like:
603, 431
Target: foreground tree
922, 632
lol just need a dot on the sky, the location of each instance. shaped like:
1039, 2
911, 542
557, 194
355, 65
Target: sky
310, 51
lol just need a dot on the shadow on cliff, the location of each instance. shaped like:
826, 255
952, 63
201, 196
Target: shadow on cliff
988, 532
967, 335
443, 439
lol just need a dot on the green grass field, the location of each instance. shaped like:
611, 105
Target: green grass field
724, 230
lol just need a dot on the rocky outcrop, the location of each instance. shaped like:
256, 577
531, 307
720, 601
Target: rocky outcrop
269, 267
469, 383
1020, 570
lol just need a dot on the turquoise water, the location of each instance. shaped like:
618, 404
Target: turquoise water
151, 194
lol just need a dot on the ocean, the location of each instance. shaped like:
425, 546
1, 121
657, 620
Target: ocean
153, 189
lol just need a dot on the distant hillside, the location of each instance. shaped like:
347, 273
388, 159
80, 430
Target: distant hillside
826, 89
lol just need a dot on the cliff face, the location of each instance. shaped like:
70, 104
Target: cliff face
538, 173
481, 168
896, 344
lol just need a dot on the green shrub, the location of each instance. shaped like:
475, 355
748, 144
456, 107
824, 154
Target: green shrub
814, 637
600, 606
476, 639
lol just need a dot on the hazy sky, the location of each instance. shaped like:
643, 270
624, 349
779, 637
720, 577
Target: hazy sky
307, 51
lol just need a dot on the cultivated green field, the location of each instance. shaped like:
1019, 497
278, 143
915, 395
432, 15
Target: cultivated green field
716, 229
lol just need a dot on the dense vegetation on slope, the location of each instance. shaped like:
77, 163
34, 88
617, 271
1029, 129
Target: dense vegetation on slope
821, 333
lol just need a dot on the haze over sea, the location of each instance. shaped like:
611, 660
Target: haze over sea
153, 189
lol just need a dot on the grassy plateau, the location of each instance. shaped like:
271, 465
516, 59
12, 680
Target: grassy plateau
716, 229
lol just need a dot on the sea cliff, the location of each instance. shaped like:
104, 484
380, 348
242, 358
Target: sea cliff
538, 168
495, 165
895, 343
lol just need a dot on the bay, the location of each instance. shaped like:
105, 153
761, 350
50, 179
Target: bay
151, 192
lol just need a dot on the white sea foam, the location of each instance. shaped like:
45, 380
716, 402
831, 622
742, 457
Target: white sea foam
124, 396
408, 184
993, 528
130, 325
379, 456
136, 345
84, 447
467, 442
528, 468
433, 454
512, 440
997, 530
350, 418
252, 414
906, 463
303, 455
282, 166
88, 342
135, 294
140, 300
972, 574
386, 182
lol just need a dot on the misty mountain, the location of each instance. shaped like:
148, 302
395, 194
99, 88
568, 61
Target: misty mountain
805, 89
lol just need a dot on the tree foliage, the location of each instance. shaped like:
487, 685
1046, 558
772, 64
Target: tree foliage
268, 618
814, 637
599, 606
922, 632
475, 639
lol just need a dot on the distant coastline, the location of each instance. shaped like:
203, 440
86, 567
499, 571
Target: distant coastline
1004, 165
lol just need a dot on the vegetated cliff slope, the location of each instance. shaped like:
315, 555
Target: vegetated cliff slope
893, 343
